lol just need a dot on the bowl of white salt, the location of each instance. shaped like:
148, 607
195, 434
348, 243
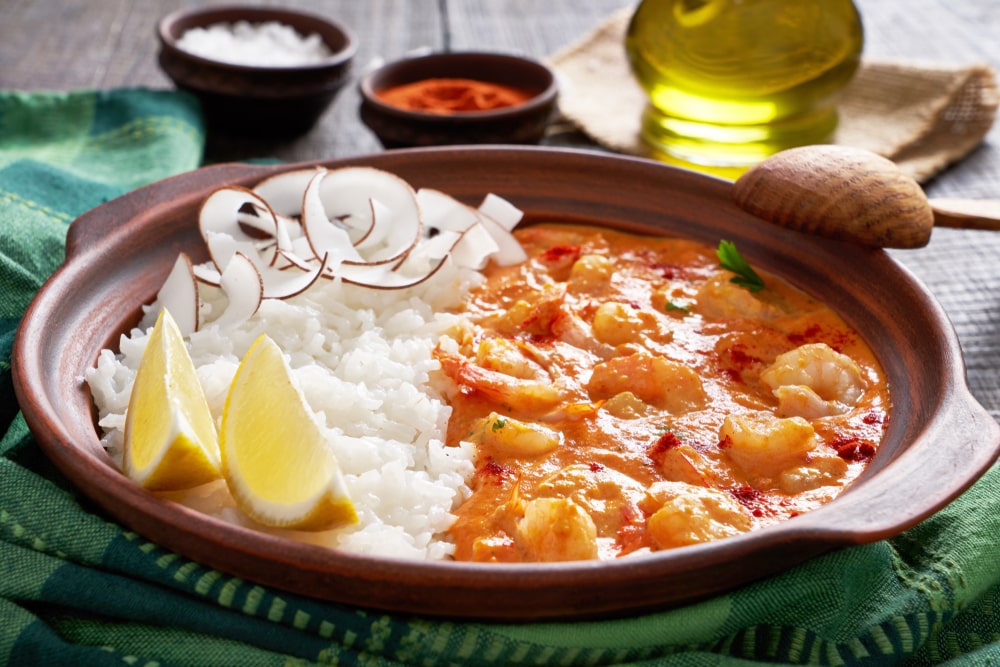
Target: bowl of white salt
262, 71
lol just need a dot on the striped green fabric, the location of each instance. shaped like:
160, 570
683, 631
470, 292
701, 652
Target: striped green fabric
77, 589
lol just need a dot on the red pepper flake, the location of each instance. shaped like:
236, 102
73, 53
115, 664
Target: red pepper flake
663, 444
494, 473
596, 467
807, 336
745, 494
872, 418
665, 271
739, 357
733, 374
560, 254
630, 537
853, 448
736, 361
752, 499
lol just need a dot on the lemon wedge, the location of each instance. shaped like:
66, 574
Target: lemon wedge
275, 459
170, 438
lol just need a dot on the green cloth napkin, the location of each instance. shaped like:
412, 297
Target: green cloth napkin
77, 589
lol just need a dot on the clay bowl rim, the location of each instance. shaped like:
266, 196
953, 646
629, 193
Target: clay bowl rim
170, 28
141, 233
442, 65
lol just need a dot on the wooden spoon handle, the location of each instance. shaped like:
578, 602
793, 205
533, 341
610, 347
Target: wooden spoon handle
967, 213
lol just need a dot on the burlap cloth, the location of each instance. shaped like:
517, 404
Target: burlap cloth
923, 116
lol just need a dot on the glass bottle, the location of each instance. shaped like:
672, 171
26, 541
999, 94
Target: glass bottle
733, 81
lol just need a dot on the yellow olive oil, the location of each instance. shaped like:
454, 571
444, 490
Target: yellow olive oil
733, 81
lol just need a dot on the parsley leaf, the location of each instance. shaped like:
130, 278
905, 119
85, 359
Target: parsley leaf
731, 260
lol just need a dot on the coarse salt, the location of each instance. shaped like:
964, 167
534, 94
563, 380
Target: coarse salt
268, 44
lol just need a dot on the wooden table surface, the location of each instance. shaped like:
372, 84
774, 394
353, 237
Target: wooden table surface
69, 44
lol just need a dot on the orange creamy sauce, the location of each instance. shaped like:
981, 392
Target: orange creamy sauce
623, 395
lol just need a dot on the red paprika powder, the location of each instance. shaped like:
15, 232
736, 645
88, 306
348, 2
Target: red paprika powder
446, 96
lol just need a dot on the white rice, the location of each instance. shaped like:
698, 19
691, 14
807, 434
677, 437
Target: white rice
363, 359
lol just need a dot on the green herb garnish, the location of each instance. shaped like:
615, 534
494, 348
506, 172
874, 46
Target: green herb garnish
672, 305
498, 424
731, 260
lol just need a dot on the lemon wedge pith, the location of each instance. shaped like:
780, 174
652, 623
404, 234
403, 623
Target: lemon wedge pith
275, 458
170, 437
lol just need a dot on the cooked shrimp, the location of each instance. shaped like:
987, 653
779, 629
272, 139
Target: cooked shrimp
510, 321
617, 324
683, 463
571, 329
688, 514
745, 353
611, 498
507, 357
720, 299
625, 406
658, 381
814, 381
557, 529
514, 437
549, 304
589, 272
821, 470
763, 445
518, 395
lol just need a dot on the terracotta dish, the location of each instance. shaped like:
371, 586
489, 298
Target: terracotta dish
938, 442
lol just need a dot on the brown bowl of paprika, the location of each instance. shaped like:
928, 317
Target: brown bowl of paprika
458, 98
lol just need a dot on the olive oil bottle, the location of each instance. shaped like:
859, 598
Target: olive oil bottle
733, 81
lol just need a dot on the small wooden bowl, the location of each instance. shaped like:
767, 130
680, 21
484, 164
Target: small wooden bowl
524, 123
258, 100
938, 442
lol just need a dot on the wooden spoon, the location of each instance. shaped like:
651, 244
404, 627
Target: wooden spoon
852, 194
